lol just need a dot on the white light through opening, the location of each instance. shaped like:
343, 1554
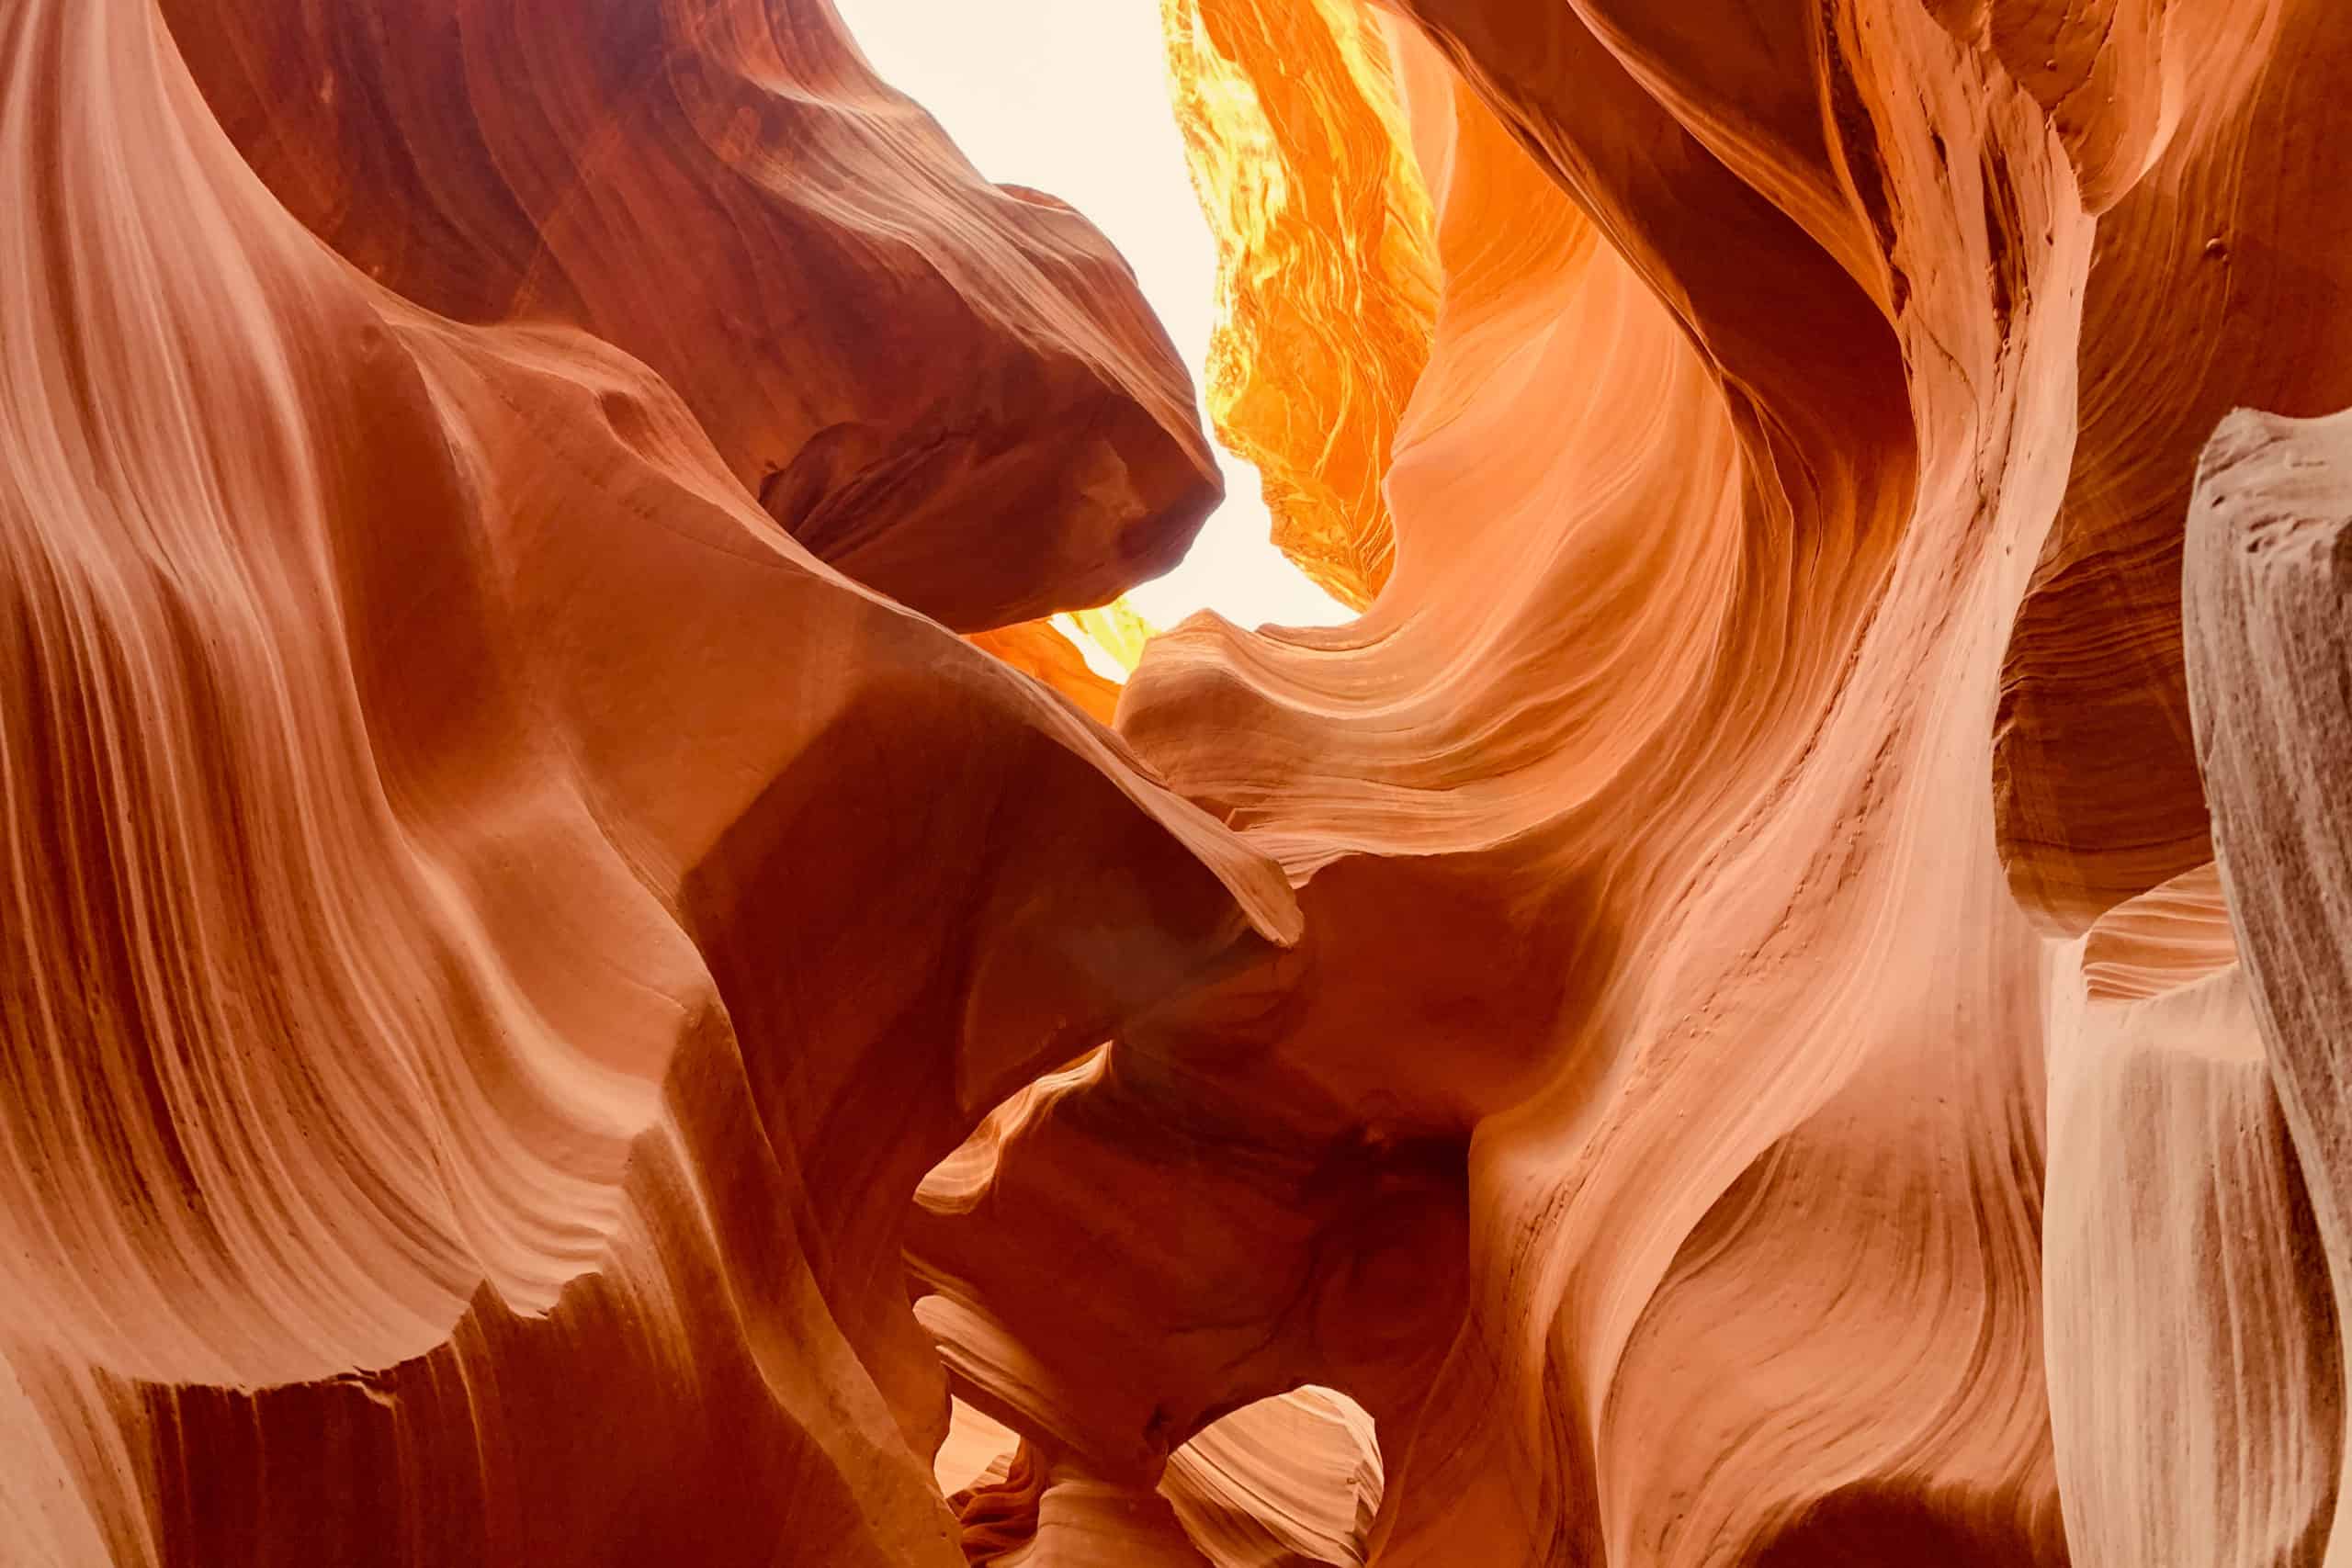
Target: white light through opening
1070, 96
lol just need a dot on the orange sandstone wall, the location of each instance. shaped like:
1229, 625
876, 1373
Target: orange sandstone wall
1779, 998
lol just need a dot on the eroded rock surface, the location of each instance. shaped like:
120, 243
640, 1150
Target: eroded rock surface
1779, 998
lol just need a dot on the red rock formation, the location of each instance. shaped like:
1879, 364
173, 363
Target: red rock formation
468, 1020
551, 1019
1649, 865
2222, 225
872, 335
2195, 1393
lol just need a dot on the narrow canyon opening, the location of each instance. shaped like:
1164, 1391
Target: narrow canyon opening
995, 74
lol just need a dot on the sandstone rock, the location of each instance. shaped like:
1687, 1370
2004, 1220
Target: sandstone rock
1779, 998
875, 339
473, 1030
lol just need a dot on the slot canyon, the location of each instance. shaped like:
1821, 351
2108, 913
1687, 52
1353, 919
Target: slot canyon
618, 948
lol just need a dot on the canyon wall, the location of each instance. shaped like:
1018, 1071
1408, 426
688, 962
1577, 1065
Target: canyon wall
590, 977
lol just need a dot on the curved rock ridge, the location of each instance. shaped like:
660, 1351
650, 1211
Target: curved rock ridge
1755, 792
2231, 235
2267, 590
1293, 1480
463, 917
872, 335
2196, 1399
1779, 999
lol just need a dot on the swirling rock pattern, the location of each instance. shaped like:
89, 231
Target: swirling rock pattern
870, 334
1779, 998
423, 762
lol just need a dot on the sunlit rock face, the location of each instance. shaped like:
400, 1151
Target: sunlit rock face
1294, 124
1783, 995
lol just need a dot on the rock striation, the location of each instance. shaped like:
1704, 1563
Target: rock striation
455, 970
592, 976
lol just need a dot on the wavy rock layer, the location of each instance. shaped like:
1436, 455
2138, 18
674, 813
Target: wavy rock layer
872, 335
1779, 999
2223, 226
2196, 1399
440, 961
2268, 589
1760, 674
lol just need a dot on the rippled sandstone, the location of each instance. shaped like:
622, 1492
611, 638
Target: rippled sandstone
1779, 998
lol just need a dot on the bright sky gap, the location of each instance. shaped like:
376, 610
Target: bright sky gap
1003, 77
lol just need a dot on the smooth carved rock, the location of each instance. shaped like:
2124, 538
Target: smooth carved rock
1778, 999
949, 390
2196, 1401
469, 1021
1625, 819
2233, 237
1605, 828
2268, 604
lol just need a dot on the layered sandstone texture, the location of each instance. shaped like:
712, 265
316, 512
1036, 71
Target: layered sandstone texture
589, 976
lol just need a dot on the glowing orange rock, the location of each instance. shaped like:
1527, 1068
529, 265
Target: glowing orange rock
1297, 139
1779, 998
